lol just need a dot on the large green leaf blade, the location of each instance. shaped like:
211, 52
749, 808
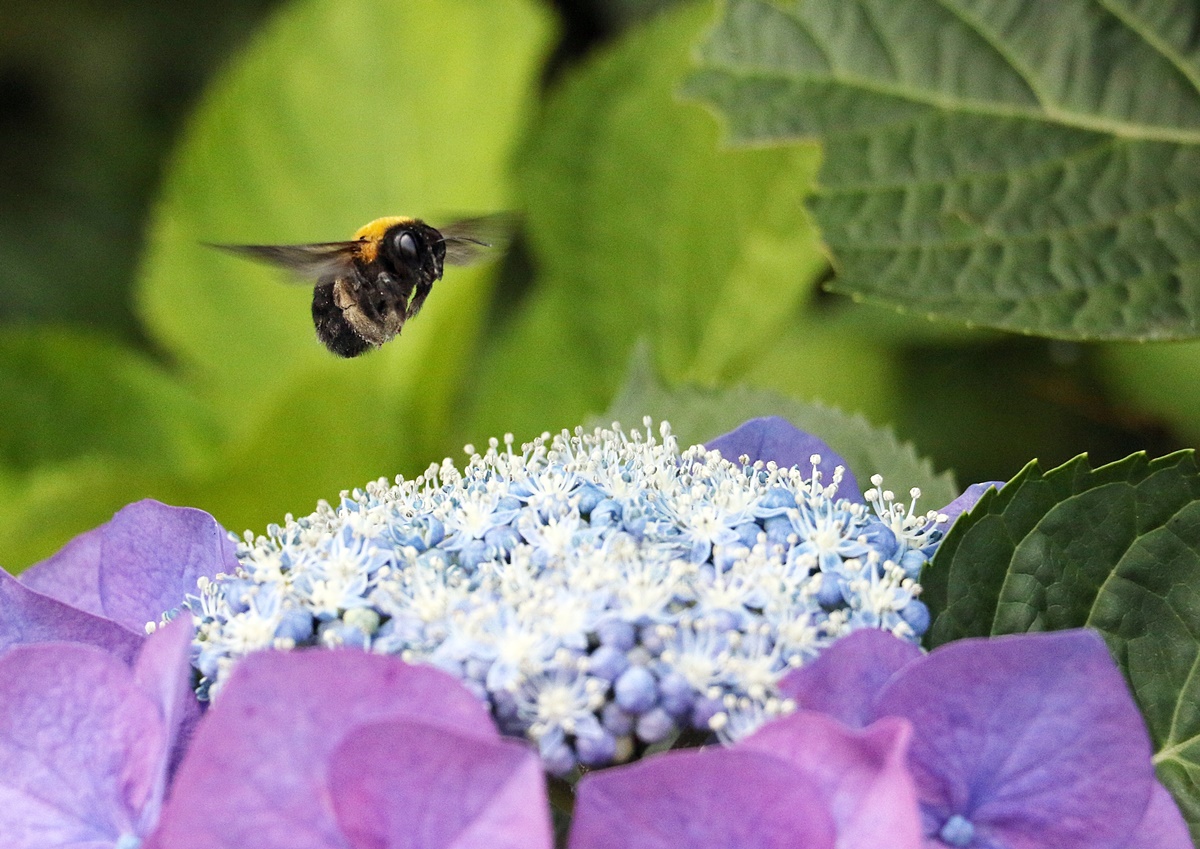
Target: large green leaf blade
1021, 165
1115, 548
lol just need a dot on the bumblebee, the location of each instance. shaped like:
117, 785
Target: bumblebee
368, 287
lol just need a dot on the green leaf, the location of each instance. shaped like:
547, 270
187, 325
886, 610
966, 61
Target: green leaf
340, 112
1115, 548
640, 226
74, 394
699, 415
1022, 165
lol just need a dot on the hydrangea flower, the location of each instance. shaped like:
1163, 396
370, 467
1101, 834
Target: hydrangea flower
105, 585
601, 591
86, 741
1020, 741
598, 594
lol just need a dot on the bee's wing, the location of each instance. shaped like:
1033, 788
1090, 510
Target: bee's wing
469, 240
324, 259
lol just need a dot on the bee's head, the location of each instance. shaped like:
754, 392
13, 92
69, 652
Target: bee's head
413, 247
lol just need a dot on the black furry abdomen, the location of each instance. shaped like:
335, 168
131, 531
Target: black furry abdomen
333, 330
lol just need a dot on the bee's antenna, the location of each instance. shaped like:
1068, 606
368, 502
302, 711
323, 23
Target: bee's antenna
469, 239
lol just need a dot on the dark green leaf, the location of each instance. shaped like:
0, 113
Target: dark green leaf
699, 415
1025, 165
1116, 549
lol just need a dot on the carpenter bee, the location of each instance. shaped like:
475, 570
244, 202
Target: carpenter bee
368, 287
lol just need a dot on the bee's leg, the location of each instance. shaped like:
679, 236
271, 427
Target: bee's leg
418, 299
333, 330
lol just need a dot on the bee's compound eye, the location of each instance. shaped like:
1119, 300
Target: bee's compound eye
406, 245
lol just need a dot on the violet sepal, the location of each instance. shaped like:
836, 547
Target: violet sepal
258, 769
142, 562
701, 799
396, 785
861, 775
775, 439
84, 740
31, 617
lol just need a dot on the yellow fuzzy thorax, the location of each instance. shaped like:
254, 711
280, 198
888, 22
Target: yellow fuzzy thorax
370, 234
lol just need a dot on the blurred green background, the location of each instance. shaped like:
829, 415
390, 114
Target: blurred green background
135, 363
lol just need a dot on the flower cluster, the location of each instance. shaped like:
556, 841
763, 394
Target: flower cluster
600, 591
1024, 741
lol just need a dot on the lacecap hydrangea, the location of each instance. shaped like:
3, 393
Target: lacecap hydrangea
603, 592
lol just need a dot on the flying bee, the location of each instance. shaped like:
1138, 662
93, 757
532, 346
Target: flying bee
368, 287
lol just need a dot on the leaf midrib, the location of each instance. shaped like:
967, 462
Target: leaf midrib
1066, 118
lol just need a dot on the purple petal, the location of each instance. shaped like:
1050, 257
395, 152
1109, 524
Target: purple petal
164, 671
844, 680
82, 748
862, 776
254, 774
30, 617
1162, 826
396, 785
706, 799
1034, 739
138, 565
967, 500
774, 438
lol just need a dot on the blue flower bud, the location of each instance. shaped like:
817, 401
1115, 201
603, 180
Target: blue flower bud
635, 690
616, 633
913, 561
589, 496
502, 540
607, 662
238, 592
472, 554
596, 749
634, 524
436, 558
605, 513
778, 529
650, 639
748, 533
295, 625
704, 710
654, 725
829, 595
617, 721
775, 502
676, 694
558, 758
916, 614
337, 633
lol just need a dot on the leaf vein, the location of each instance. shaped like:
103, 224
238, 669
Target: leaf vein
1026, 74
1159, 45
1120, 129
